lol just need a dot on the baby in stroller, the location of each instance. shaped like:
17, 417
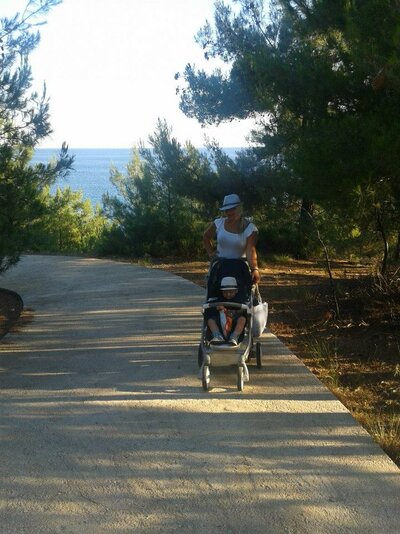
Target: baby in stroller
226, 324
229, 282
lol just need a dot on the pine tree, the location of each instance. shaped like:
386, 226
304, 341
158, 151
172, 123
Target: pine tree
24, 122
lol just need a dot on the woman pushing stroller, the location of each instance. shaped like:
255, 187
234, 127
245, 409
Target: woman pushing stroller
228, 314
234, 234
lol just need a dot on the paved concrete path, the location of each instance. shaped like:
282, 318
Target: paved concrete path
104, 426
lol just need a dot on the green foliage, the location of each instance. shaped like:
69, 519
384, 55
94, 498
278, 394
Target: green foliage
24, 121
24, 116
323, 79
171, 192
68, 223
21, 206
154, 213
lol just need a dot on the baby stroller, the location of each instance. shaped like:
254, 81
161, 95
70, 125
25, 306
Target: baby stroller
224, 354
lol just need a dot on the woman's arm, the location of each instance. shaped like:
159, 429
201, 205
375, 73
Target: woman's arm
208, 240
251, 255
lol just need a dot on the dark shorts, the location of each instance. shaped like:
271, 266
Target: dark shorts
213, 313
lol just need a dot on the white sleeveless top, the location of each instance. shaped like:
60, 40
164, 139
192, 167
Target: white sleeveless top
230, 245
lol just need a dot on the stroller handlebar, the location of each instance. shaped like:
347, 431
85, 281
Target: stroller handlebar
233, 305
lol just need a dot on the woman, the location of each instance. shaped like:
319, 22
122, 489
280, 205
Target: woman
235, 236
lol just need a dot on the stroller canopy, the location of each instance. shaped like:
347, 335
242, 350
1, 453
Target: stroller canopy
236, 268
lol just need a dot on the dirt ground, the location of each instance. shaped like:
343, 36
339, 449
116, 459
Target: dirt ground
356, 354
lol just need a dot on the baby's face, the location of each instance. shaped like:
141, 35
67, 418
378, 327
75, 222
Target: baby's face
229, 293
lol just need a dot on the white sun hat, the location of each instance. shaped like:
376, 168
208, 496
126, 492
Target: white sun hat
227, 283
230, 201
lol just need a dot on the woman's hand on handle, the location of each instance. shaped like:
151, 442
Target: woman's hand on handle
255, 276
251, 255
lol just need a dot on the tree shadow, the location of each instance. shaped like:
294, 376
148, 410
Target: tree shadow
11, 306
105, 428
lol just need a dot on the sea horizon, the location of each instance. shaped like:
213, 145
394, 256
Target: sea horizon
91, 168
124, 148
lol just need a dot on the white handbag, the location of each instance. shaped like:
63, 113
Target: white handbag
260, 315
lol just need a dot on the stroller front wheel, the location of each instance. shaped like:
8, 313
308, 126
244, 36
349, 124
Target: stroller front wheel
200, 356
205, 378
240, 378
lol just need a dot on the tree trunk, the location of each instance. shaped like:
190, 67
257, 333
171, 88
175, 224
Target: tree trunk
60, 240
328, 265
381, 230
305, 228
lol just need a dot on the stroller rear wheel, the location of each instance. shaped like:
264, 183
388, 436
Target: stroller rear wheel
258, 355
200, 356
205, 378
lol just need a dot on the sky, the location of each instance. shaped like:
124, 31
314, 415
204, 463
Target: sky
109, 69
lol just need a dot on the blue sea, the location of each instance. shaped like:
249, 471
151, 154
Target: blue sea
91, 169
